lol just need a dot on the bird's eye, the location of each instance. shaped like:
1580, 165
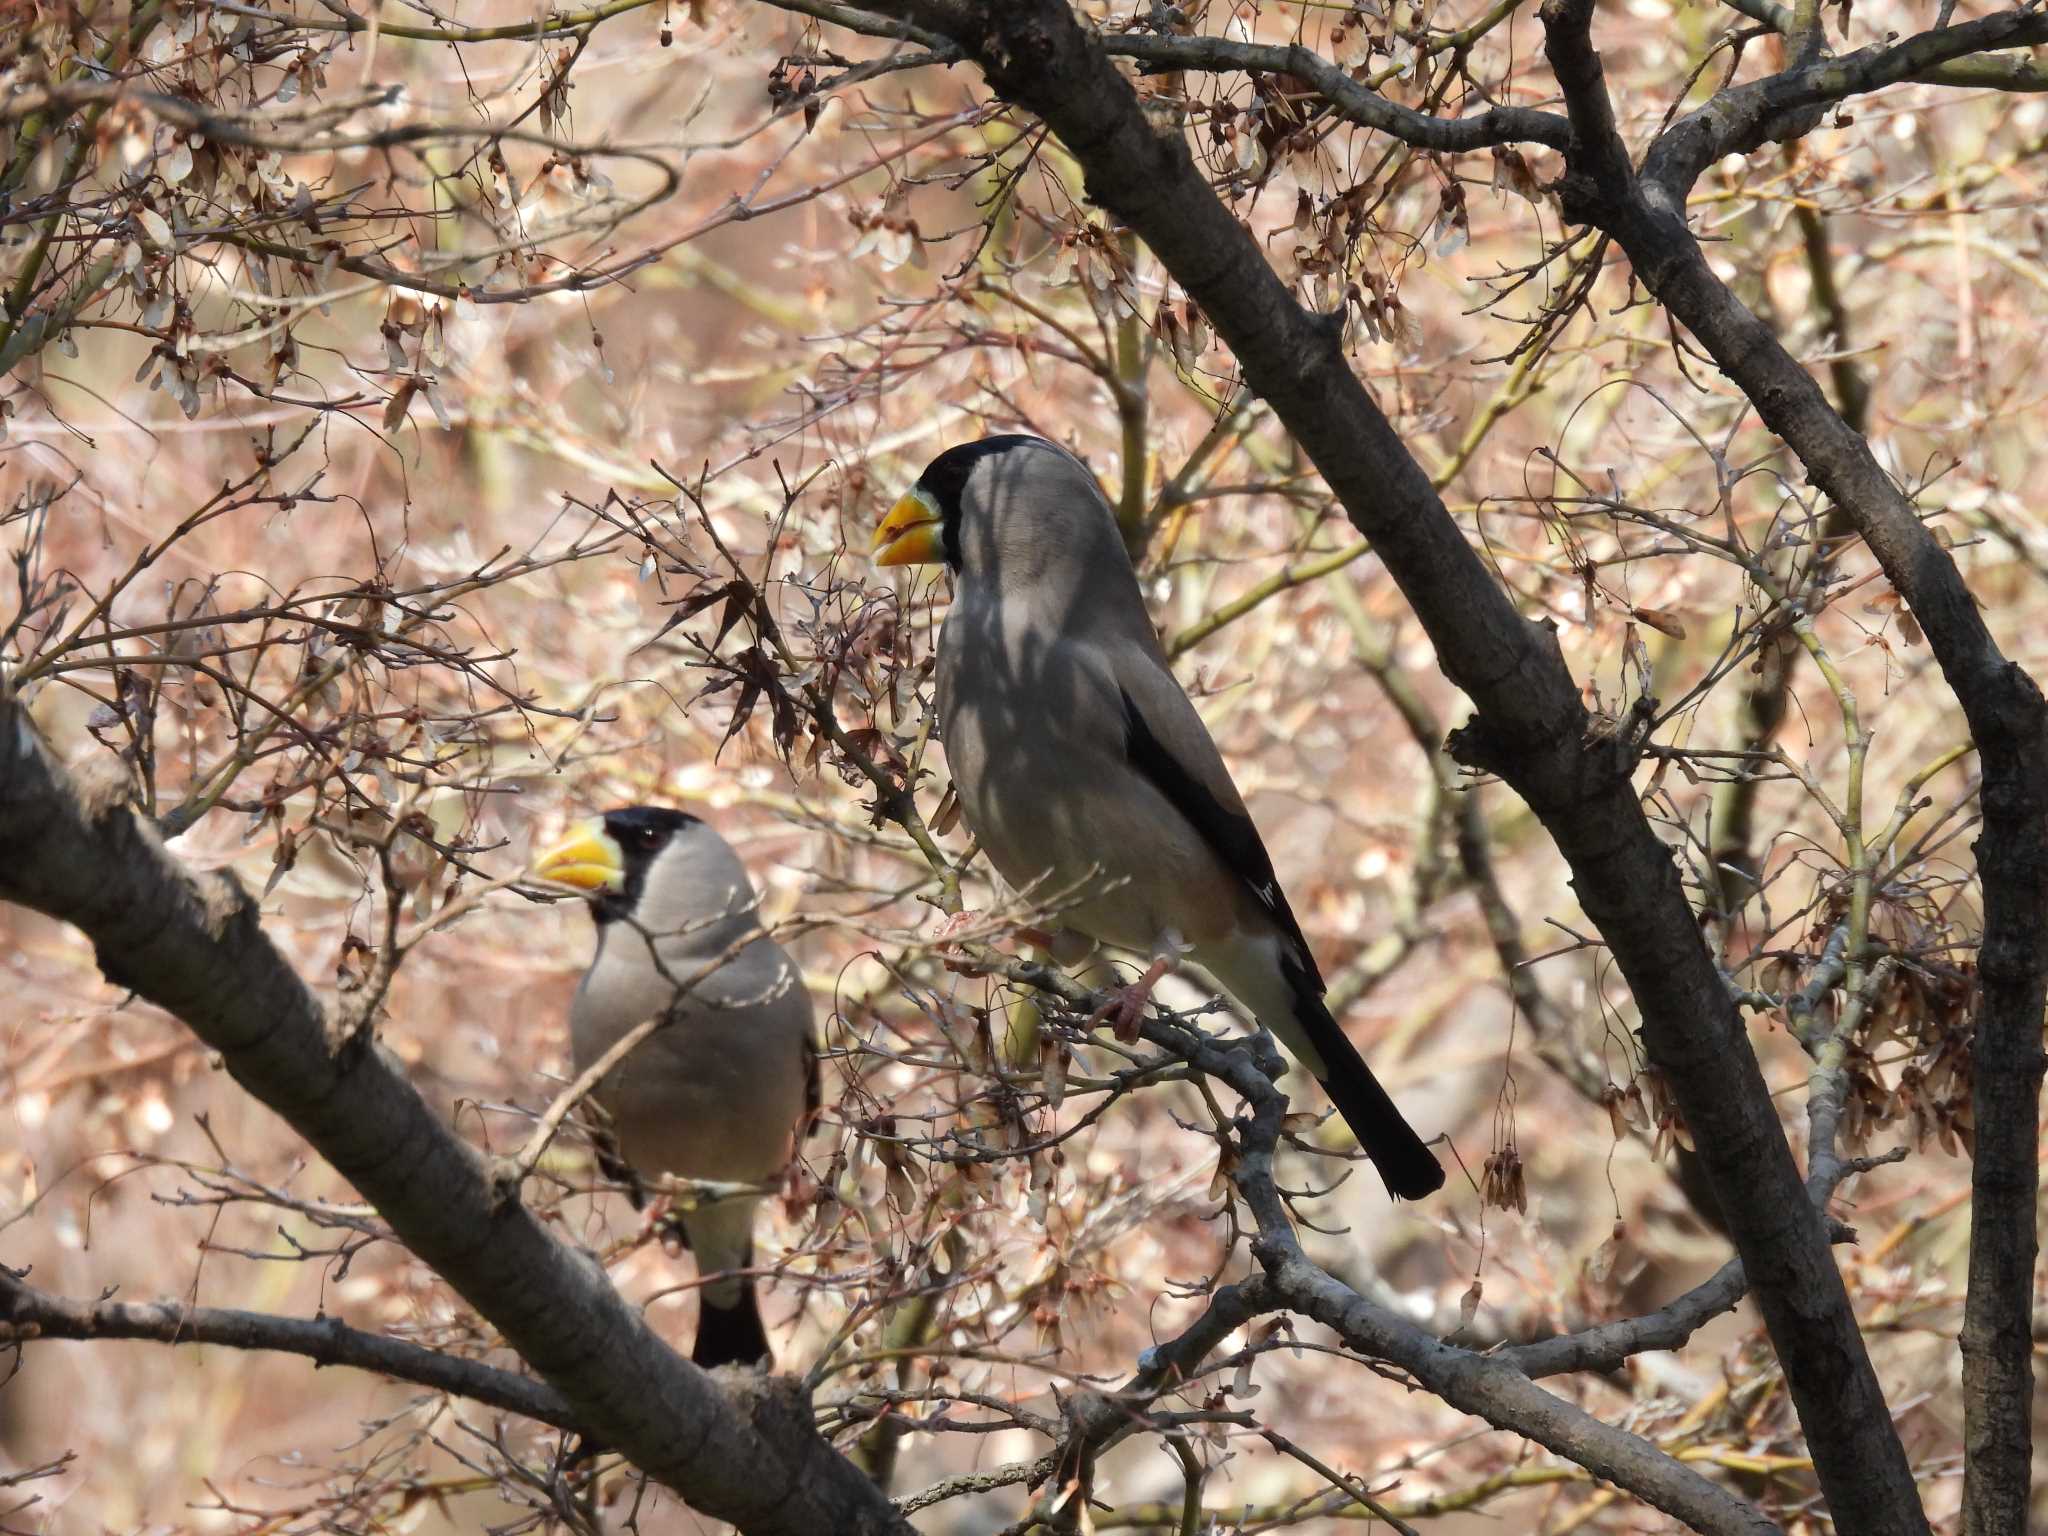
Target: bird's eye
647, 839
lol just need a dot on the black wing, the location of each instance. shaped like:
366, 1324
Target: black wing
1404, 1162
1229, 832
813, 1087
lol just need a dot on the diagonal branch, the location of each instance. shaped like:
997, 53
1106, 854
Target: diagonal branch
1605, 1346
1746, 117
1487, 1386
1497, 1392
2013, 72
27, 1313
1496, 1387
1353, 102
195, 948
2009, 721
1531, 726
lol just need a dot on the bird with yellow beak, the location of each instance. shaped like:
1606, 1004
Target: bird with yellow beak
914, 531
1082, 766
718, 1091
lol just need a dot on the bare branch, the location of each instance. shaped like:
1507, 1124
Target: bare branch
1606, 1346
1747, 116
1352, 101
197, 950
27, 1314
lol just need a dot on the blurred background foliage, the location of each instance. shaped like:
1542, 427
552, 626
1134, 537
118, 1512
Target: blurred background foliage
425, 424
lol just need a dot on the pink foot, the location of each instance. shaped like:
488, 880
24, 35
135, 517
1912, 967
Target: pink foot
661, 1222
1126, 1006
942, 941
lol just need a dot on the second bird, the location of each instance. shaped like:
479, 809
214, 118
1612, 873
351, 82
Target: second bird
718, 1091
1081, 765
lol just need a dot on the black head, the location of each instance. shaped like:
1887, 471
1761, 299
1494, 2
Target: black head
642, 832
945, 478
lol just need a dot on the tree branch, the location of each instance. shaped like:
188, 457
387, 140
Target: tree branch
195, 948
1487, 1386
27, 1313
1503, 1396
2009, 721
2013, 73
1353, 102
1492, 1387
1606, 1346
1746, 117
1531, 726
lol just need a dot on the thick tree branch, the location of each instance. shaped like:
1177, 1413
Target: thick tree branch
1531, 727
1746, 117
1352, 101
2002, 72
2011, 73
195, 948
1493, 1387
2010, 727
1597, 151
27, 1313
2009, 722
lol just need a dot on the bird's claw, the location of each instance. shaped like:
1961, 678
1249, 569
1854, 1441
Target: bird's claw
662, 1222
1125, 1007
950, 953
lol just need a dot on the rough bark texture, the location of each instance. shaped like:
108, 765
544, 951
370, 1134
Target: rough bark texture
2008, 719
26, 1313
2010, 728
194, 947
1531, 727
1495, 1385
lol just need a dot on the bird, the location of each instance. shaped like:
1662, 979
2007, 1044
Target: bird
720, 1089
1084, 771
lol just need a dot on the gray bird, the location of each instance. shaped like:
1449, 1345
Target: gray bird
1083, 768
719, 1090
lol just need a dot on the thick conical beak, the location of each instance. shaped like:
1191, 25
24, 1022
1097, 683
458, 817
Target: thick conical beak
913, 533
589, 858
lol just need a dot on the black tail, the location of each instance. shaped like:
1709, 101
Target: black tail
733, 1335
1410, 1169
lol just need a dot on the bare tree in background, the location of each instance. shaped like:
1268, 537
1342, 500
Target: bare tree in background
1585, 466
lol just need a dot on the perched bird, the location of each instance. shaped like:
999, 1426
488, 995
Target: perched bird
719, 1089
1084, 770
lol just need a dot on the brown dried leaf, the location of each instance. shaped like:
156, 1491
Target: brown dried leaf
1468, 1304
1502, 1184
1663, 620
400, 401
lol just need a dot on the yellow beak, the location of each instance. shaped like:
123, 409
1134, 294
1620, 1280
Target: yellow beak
588, 858
913, 533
